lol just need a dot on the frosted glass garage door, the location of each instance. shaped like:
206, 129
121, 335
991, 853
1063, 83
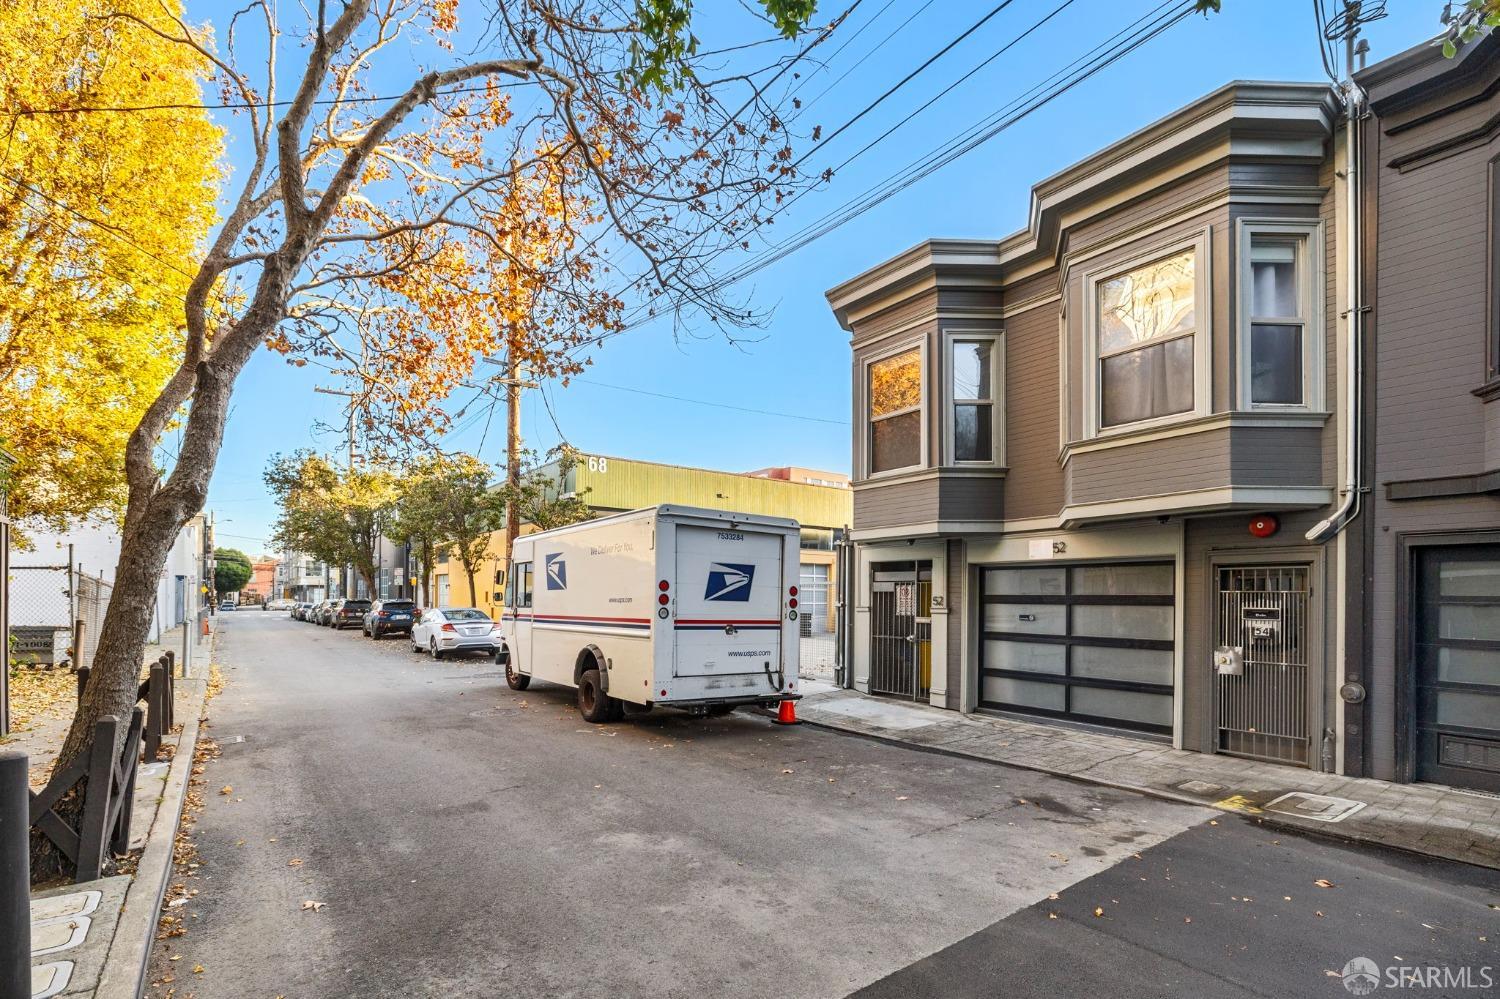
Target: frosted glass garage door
1092, 643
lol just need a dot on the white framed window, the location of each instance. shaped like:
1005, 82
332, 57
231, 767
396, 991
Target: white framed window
895, 411
974, 390
1281, 342
1146, 340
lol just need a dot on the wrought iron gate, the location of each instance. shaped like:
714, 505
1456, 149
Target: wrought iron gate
1264, 617
901, 629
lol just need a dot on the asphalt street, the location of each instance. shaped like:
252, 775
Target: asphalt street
469, 840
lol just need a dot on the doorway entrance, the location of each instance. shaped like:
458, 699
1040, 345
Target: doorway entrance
1263, 710
901, 629
1456, 666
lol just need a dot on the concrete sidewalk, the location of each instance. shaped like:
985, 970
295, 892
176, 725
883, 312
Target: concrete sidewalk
94, 938
1422, 818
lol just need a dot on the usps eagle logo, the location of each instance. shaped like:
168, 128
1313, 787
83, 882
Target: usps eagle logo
729, 581
557, 572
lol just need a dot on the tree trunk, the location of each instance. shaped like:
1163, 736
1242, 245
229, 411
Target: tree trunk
155, 514
426, 573
472, 571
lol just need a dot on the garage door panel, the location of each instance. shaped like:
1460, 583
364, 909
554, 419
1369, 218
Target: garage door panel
1456, 660
1102, 635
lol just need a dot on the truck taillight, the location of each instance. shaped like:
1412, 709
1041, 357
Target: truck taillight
663, 599
791, 591
792, 602
664, 586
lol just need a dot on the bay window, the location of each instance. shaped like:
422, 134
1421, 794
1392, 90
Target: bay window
894, 391
1146, 324
973, 381
1280, 340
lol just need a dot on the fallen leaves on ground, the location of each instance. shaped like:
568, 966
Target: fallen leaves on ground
294, 862
1098, 910
226, 789
36, 694
1323, 883
314, 906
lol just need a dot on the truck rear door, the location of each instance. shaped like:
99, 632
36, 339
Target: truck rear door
728, 601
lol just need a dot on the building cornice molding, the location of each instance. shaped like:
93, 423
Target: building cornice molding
1244, 120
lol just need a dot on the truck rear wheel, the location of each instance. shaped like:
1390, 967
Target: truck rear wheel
593, 703
514, 680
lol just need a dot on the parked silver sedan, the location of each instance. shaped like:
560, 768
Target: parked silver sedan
442, 630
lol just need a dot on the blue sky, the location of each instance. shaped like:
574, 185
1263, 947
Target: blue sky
799, 366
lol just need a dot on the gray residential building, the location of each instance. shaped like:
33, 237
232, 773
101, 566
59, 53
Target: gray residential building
1107, 470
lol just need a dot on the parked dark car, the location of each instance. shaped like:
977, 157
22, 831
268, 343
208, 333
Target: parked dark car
390, 617
348, 614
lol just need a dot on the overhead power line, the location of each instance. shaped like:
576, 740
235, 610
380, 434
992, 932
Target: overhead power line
242, 105
1101, 57
1122, 43
104, 226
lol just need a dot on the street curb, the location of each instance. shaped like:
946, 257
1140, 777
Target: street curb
124, 974
1271, 819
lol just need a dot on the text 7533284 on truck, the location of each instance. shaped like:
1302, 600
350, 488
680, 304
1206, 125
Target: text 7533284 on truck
671, 605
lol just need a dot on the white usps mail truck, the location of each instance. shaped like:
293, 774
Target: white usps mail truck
670, 605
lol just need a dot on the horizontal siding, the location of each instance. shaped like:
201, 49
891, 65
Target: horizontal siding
1432, 320
1277, 456
896, 504
1161, 204
1431, 333
898, 315
1150, 468
971, 497
1034, 485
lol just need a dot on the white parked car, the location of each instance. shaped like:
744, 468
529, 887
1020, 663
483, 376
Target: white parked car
442, 630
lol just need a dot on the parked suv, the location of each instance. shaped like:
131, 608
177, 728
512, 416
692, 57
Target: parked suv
347, 614
390, 617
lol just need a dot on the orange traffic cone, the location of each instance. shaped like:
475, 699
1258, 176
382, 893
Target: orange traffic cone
787, 713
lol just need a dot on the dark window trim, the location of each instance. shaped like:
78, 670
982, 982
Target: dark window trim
1409, 545
1097, 641
1104, 683
1091, 599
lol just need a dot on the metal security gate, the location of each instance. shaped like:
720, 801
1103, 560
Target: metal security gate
901, 629
1264, 629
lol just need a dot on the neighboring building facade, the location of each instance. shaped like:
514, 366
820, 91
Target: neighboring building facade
301, 577
1086, 455
262, 578
612, 485
42, 583
1431, 578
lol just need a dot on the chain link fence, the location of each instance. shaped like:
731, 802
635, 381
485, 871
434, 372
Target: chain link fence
819, 638
51, 608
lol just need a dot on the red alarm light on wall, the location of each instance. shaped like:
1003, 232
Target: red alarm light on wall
1265, 525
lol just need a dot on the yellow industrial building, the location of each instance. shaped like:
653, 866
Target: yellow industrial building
820, 501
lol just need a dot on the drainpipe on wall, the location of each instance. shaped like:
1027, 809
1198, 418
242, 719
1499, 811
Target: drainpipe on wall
1326, 530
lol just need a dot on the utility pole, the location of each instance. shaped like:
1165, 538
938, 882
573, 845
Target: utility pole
513, 385
351, 397
346, 573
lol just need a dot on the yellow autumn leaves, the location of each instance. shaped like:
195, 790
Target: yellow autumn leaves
101, 217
